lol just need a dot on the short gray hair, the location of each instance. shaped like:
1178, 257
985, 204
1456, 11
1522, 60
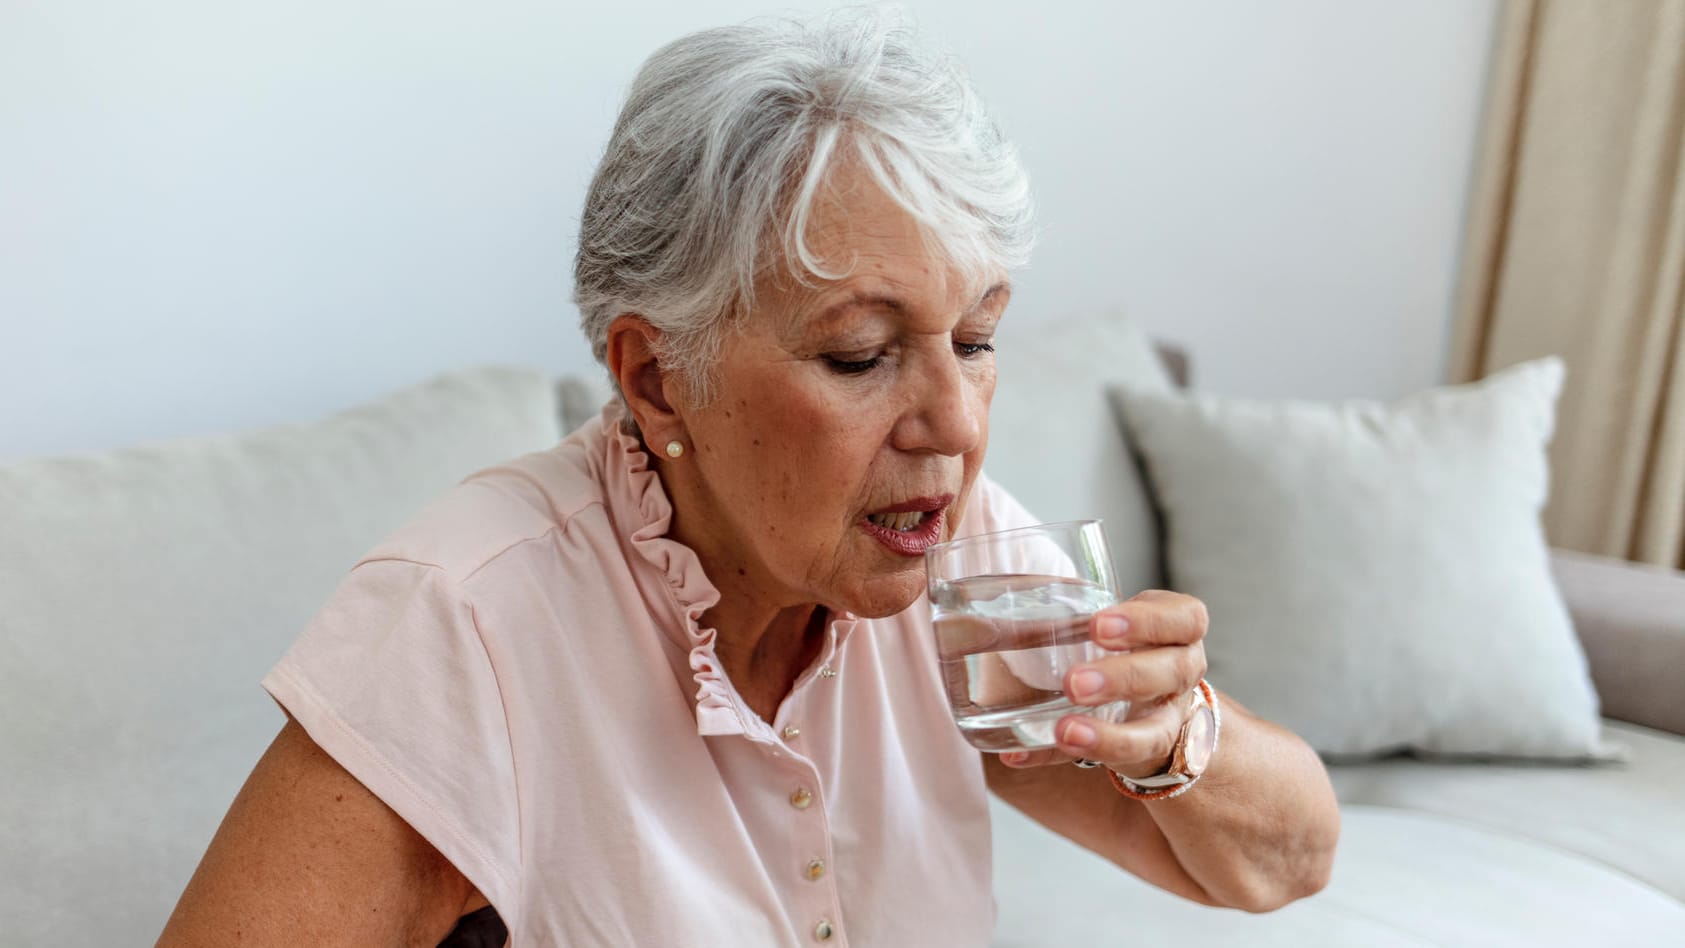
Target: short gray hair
724, 141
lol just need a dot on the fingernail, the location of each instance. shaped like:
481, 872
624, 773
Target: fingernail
1014, 758
1078, 734
1086, 683
1111, 629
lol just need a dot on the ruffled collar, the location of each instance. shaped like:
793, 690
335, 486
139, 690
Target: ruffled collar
642, 503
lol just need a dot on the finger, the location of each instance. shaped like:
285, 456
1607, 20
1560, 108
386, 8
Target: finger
1141, 675
1036, 758
1140, 746
1141, 709
1154, 617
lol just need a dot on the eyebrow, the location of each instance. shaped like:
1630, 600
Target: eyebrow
991, 293
858, 300
893, 304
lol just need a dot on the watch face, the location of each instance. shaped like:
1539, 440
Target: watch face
1202, 733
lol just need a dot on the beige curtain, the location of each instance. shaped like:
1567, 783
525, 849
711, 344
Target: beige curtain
1576, 246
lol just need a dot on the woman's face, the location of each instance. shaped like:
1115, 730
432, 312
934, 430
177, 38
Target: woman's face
849, 418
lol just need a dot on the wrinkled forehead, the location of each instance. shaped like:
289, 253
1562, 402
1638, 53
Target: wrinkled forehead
860, 244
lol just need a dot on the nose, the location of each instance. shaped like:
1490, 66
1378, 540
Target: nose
946, 408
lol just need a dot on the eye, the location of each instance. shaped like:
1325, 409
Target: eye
843, 366
971, 349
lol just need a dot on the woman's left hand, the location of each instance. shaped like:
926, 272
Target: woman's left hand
1155, 659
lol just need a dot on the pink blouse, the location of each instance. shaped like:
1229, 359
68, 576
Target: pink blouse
519, 672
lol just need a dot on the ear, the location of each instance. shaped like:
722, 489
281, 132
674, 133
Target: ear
643, 381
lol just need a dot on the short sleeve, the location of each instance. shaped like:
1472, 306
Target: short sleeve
392, 680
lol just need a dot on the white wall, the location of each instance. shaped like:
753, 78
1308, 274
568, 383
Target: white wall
216, 214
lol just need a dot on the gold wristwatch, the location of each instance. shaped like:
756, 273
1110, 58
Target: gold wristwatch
1194, 747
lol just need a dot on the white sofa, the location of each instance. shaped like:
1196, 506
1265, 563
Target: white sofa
146, 591
1431, 853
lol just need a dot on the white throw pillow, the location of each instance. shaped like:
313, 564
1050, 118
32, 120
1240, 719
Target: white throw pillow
1377, 576
1056, 446
147, 590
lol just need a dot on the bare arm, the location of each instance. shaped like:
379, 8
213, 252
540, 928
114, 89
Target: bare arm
308, 856
1260, 828
1255, 833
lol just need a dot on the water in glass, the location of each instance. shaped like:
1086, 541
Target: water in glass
1005, 643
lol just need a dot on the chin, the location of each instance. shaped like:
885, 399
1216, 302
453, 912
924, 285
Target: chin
886, 596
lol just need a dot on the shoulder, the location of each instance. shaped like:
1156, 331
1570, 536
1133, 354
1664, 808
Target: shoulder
496, 510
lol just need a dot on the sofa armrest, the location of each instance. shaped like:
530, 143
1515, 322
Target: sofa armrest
1631, 620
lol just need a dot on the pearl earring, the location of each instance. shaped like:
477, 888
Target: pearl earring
674, 449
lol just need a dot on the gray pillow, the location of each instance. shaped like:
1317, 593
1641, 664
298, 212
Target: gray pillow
1377, 576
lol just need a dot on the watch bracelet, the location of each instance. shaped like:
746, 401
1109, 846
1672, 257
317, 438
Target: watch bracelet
1129, 789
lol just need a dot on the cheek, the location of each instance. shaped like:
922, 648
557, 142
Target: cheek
983, 395
985, 388
805, 455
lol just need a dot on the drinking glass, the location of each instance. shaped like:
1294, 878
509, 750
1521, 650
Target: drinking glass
1012, 612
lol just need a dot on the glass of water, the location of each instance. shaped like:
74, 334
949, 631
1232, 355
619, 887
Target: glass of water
1013, 612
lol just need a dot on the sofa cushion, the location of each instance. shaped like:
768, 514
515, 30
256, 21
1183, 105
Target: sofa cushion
1054, 443
148, 590
1627, 816
1377, 575
1400, 878
582, 398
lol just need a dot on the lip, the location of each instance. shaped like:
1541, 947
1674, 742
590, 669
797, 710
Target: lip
919, 504
912, 543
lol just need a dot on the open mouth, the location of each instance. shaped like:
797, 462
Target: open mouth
904, 522
910, 526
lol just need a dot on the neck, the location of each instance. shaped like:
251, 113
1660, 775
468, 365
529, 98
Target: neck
763, 654
763, 642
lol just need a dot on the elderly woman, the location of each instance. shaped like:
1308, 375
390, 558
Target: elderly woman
672, 682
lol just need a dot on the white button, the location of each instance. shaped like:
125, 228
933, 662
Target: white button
827, 672
823, 931
792, 732
815, 870
801, 799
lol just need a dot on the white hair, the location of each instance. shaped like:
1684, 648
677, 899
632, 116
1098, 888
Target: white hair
723, 143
